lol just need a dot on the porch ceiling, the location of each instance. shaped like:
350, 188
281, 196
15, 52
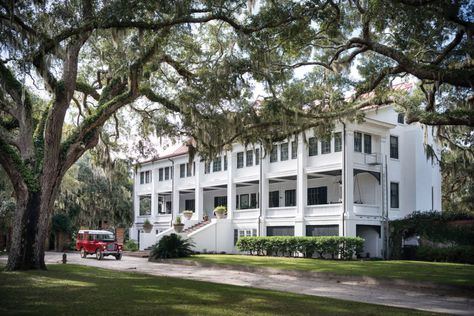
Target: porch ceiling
283, 179
332, 173
216, 187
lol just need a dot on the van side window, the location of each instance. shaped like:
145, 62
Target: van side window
80, 236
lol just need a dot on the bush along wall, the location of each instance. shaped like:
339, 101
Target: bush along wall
442, 237
324, 246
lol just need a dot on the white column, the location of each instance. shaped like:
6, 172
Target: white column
198, 192
301, 188
384, 150
175, 193
231, 188
265, 191
348, 184
154, 189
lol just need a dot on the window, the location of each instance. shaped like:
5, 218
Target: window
160, 174
322, 230
280, 231
367, 144
313, 146
220, 200
257, 156
337, 142
182, 170
325, 146
225, 162
274, 199
358, 142
189, 168
394, 147
167, 173
189, 205
401, 118
244, 233
240, 159
160, 205
217, 164
207, 167
253, 200
394, 195
274, 154
284, 151
145, 205
249, 158
290, 198
317, 196
168, 207
244, 201
145, 177
294, 149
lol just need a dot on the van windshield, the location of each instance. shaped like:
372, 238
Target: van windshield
105, 237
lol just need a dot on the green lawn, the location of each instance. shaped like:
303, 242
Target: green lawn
444, 273
79, 290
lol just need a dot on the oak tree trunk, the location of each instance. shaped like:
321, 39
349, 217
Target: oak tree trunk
25, 250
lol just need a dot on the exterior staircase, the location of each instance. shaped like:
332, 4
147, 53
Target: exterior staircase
195, 227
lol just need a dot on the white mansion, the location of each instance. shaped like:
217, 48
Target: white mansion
348, 186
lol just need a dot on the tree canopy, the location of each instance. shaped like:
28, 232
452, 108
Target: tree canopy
191, 67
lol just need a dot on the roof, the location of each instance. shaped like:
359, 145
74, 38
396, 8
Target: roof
92, 231
182, 150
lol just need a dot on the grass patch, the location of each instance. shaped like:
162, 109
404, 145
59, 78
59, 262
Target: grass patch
79, 290
438, 272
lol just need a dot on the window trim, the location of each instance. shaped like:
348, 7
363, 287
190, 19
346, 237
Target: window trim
274, 154
312, 150
398, 195
360, 147
336, 149
398, 146
287, 152
249, 162
240, 162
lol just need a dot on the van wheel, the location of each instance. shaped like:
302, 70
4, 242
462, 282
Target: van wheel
83, 253
119, 256
99, 255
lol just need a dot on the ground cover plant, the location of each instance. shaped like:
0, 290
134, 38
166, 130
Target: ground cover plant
79, 290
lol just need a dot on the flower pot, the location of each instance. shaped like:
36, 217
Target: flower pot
187, 215
147, 228
220, 215
178, 227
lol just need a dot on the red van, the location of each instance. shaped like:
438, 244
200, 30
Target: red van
99, 242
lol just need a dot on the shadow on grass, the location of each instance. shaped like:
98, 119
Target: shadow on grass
79, 290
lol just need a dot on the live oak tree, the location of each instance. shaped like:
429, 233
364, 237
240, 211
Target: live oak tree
200, 60
94, 58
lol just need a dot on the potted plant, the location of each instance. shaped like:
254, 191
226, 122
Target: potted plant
220, 211
188, 214
205, 217
147, 226
178, 226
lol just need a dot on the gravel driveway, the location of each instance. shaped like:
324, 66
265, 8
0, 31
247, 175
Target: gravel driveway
374, 294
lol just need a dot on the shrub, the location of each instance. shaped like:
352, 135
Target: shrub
130, 245
332, 246
171, 246
460, 254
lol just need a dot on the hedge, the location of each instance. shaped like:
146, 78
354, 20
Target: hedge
459, 254
332, 246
